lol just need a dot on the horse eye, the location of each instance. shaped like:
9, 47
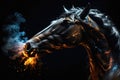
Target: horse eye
65, 22
77, 22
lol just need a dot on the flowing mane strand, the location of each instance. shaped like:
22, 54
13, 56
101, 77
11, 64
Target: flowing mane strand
109, 29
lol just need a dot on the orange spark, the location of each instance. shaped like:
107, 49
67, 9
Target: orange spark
28, 60
31, 61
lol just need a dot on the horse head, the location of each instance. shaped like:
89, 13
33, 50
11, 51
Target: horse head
75, 27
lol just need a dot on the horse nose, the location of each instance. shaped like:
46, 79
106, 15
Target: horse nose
30, 50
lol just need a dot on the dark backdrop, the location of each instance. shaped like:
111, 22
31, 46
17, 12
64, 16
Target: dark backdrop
61, 65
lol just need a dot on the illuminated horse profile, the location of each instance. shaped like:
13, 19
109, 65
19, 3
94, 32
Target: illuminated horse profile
88, 28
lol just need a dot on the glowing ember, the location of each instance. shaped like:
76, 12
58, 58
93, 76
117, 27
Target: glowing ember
31, 61
28, 60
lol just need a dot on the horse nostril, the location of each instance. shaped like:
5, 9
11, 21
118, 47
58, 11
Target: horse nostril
28, 46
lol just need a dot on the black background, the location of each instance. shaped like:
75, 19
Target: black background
62, 65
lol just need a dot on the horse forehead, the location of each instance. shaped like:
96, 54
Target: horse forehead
72, 18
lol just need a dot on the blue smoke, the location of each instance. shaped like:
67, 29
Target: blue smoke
13, 38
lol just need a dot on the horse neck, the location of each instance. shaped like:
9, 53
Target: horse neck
92, 68
99, 54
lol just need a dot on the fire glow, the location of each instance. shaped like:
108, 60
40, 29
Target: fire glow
28, 60
31, 61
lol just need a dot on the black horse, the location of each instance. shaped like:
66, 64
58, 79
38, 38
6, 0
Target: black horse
88, 28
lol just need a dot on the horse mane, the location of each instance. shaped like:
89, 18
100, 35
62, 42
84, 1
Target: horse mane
108, 28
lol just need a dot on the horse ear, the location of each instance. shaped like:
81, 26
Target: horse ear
73, 7
66, 10
85, 12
